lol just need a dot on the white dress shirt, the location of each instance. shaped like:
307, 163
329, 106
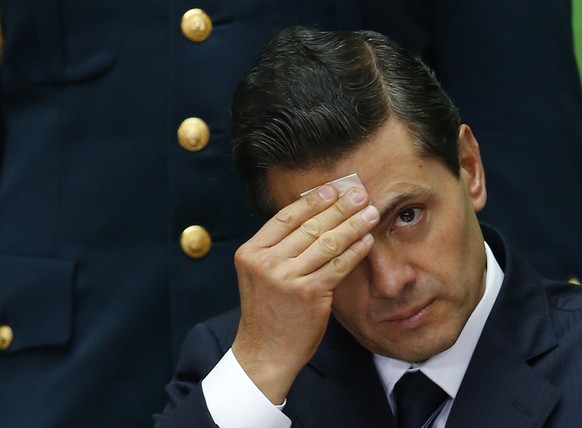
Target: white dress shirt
234, 401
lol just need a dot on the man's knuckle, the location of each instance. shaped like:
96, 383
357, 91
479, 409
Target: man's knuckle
285, 217
311, 228
355, 226
265, 262
253, 260
241, 255
340, 210
340, 264
329, 242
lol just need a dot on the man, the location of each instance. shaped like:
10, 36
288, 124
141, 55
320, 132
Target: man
347, 297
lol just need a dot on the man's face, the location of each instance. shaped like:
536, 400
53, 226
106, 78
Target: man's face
412, 295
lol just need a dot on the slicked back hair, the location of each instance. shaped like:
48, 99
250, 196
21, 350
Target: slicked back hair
315, 96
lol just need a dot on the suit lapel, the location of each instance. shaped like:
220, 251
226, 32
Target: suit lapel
340, 387
500, 388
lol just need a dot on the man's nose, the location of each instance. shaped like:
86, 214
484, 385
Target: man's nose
390, 271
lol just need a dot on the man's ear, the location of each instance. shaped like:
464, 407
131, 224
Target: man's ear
472, 172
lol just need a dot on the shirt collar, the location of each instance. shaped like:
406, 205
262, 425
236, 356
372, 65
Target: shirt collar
448, 368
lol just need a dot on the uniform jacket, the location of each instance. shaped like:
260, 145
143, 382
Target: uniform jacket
511, 69
95, 192
526, 370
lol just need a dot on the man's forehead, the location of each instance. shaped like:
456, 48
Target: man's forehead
379, 162
342, 184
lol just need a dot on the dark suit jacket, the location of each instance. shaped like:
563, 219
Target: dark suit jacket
95, 192
511, 69
526, 371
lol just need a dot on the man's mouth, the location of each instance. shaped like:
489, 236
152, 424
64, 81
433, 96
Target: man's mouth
411, 317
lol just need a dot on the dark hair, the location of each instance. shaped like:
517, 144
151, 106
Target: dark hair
315, 96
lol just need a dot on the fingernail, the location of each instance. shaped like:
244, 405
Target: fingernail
370, 213
368, 238
325, 192
358, 196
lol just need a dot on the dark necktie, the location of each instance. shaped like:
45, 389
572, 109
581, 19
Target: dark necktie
417, 398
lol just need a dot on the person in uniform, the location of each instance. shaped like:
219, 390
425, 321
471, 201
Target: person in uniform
119, 208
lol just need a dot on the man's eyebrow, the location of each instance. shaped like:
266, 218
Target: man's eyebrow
401, 198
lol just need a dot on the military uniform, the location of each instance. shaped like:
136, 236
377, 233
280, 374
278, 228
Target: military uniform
120, 210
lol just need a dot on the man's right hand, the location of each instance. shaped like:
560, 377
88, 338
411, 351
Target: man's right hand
287, 273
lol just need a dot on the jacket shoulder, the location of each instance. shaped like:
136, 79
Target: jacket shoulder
563, 296
565, 307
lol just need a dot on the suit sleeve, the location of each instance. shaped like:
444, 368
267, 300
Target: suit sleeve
186, 404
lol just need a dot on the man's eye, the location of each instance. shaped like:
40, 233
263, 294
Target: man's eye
407, 217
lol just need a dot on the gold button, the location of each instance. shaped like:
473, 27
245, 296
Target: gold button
193, 134
196, 25
574, 281
195, 241
6, 337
